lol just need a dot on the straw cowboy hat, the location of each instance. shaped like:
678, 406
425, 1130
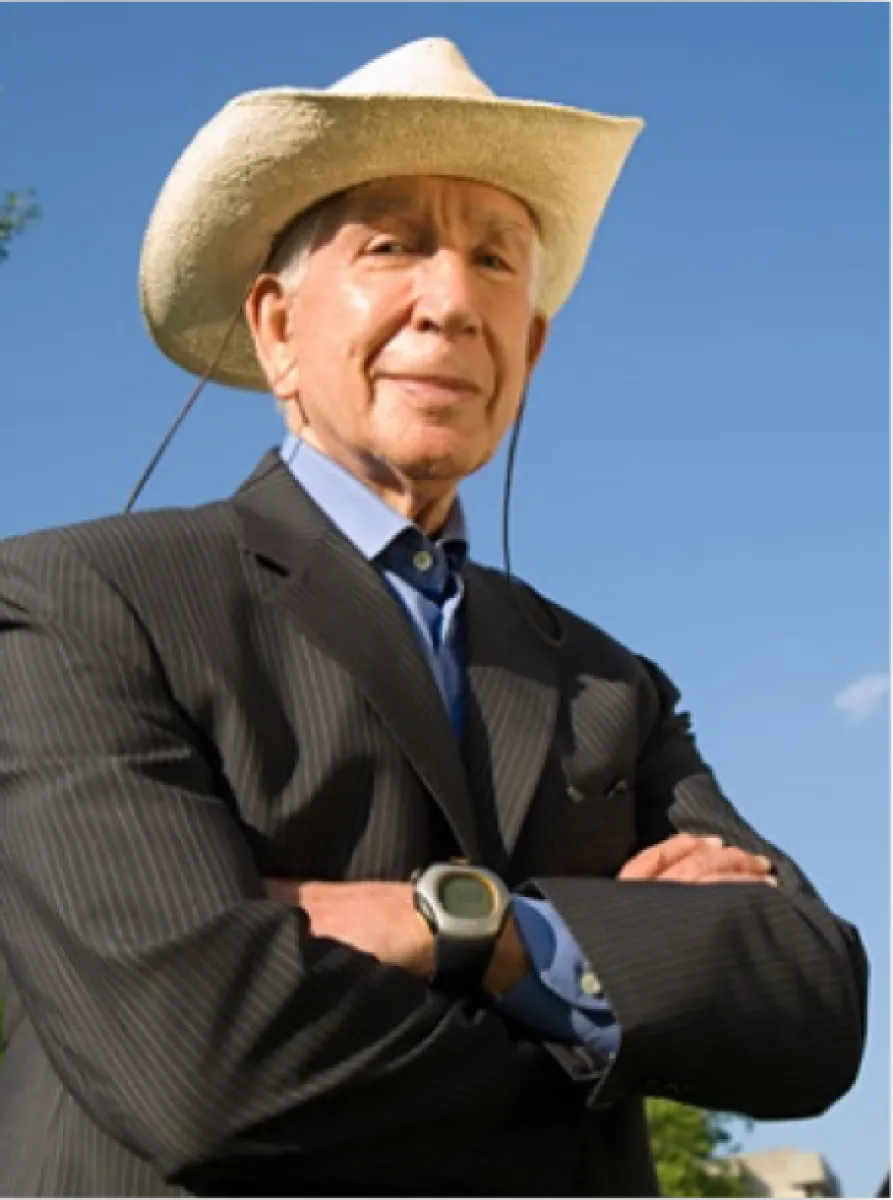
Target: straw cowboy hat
269, 155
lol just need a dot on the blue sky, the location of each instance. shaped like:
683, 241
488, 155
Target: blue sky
705, 465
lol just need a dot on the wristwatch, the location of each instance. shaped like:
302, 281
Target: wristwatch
465, 908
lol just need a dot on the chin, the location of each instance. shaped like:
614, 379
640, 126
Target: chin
451, 460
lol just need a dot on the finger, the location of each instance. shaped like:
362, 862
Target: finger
652, 862
694, 870
710, 861
732, 859
736, 877
757, 864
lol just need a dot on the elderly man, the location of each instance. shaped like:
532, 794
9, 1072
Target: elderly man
333, 863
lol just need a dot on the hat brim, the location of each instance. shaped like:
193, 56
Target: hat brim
269, 155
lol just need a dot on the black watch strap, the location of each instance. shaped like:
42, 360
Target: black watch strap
460, 964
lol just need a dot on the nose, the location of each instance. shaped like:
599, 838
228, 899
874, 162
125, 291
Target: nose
445, 299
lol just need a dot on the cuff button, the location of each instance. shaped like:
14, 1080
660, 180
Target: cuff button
589, 983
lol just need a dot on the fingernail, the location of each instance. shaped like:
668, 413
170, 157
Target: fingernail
713, 840
765, 862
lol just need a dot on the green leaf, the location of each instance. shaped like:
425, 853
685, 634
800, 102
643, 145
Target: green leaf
17, 211
685, 1142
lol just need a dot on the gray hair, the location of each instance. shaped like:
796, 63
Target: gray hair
291, 253
292, 249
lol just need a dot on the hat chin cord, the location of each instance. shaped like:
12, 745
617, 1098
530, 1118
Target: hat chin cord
181, 415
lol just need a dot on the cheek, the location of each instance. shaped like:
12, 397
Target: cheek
512, 358
358, 305
340, 327
512, 330
370, 317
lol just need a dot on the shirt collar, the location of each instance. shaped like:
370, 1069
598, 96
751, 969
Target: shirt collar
362, 517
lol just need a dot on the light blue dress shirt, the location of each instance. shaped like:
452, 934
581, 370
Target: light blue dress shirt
426, 577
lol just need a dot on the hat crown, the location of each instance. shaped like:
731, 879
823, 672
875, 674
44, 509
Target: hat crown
427, 67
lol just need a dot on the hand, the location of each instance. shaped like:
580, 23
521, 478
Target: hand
686, 858
377, 918
381, 919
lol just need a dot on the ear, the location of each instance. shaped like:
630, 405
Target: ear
536, 339
268, 315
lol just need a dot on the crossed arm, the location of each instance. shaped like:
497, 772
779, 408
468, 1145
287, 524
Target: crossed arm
379, 918
196, 1020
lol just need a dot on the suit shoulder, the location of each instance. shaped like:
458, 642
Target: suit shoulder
109, 544
558, 625
584, 646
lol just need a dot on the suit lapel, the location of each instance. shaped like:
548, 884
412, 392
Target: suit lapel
513, 702
341, 603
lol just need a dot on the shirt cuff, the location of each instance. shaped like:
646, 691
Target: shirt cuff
561, 998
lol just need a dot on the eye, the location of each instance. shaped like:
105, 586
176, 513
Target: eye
388, 246
493, 261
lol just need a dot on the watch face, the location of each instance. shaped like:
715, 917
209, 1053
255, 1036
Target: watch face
465, 896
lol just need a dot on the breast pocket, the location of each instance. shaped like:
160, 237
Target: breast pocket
599, 826
578, 826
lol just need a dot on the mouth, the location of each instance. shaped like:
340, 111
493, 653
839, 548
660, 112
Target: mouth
435, 385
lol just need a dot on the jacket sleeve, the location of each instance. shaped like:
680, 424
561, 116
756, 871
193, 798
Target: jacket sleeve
738, 997
194, 1020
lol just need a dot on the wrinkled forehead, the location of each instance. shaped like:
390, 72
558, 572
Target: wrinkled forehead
477, 205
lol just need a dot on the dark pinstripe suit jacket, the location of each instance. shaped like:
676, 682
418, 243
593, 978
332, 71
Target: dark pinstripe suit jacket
192, 700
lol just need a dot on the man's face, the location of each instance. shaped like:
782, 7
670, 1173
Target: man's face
410, 338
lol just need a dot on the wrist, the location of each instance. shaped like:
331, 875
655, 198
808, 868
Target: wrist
424, 960
466, 909
510, 962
